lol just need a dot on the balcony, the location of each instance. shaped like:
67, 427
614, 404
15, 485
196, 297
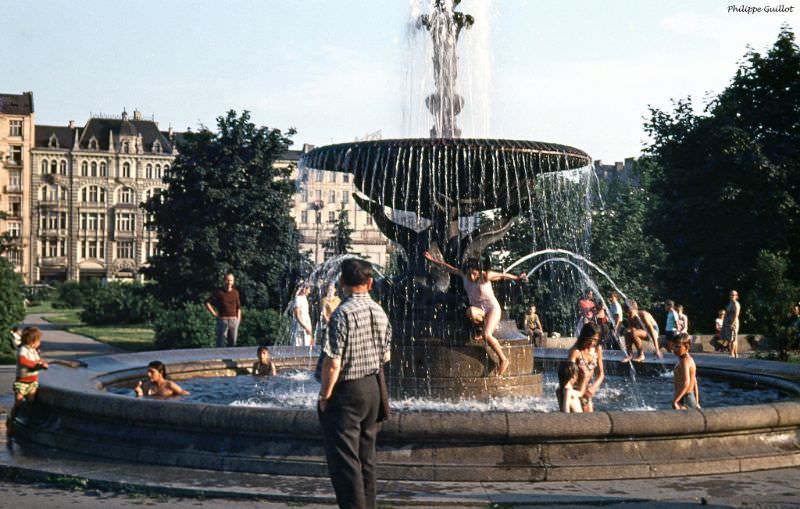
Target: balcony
12, 189
123, 235
53, 261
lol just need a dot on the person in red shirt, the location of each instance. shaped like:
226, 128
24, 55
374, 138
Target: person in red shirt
225, 306
28, 365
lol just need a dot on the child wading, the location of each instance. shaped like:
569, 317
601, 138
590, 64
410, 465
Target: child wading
483, 306
28, 365
687, 394
569, 398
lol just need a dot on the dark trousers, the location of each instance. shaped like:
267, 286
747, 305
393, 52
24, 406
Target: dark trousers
349, 428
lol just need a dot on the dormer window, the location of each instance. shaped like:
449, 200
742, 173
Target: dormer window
53, 141
126, 147
157, 147
93, 145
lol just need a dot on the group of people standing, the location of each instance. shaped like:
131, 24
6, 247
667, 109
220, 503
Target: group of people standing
302, 329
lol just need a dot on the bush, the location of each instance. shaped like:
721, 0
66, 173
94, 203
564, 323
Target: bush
119, 303
72, 294
190, 326
265, 327
12, 309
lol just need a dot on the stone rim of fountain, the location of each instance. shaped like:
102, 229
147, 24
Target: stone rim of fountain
412, 446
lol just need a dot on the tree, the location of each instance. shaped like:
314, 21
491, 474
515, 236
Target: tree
12, 302
620, 243
726, 183
340, 241
226, 208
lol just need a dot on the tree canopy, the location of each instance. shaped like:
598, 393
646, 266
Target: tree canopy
726, 183
12, 302
226, 208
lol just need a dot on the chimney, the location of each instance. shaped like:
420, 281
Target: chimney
72, 124
137, 115
169, 132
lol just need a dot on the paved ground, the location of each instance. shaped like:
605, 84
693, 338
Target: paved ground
54, 482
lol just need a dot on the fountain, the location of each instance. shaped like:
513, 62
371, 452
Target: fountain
420, 191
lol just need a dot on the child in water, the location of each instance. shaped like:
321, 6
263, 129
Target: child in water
483, 306
263, 366
687, 394
569, 398
158, 385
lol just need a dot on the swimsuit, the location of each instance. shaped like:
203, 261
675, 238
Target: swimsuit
480, 294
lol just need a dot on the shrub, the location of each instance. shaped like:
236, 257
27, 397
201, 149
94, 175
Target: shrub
262, 327
12, 309
119, 303
72, 294
190, 326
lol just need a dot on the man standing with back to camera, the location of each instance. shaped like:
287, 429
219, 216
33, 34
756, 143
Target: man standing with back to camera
355, 349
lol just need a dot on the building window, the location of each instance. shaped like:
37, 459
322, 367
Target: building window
319, 218
103, 171
331, 217
157, 147
150, 249
94, 169
126, 195
93, 222
15, 180
52, 221
15, 206
93, 145
125, 249
318, 194
15, 128
345, 197
346, 178
45, 166
93, 248
304, 217
84, 169
319, 175
63, 167
369, 219
93, 194
332, 176
148, 171
14, 229
14, 256
126, 170
53, 142
16, 154
55, 247
304, 195
126, 222
332, 197
158, 171
126, 147
54, 167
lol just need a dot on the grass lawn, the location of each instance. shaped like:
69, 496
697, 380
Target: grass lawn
42, 307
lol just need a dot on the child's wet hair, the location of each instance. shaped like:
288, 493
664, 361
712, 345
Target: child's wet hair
567, 370
31, 335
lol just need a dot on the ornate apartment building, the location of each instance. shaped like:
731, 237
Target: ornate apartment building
16, 140
87, 185
321, 196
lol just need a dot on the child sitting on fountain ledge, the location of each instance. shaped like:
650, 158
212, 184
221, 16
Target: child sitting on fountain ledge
483, 305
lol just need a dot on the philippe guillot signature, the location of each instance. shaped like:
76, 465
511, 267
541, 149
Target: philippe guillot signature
755, 9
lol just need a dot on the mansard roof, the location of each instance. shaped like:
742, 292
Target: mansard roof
100, 127
42, 134
16, 104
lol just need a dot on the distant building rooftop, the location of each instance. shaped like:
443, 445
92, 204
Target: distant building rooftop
16, 104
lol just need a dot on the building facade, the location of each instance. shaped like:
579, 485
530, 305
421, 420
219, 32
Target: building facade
321, 197
16, 141
87, 185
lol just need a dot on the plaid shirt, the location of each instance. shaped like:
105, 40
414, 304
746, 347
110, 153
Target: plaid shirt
358, 335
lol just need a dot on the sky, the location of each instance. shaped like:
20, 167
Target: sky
577, 72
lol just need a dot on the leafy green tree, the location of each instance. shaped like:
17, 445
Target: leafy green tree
773, 294
12, 302
620, 243
726, 183
341, 239
226, 208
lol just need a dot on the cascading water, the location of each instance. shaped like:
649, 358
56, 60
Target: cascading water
458, 198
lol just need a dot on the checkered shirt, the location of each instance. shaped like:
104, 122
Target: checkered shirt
358, 334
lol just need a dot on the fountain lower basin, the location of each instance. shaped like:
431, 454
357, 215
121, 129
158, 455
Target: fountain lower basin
74, 413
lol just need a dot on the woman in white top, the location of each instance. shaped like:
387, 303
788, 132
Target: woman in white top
483, 306
301, 318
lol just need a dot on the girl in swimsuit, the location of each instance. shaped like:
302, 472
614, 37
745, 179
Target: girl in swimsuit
157, 384
588, 355
483, 306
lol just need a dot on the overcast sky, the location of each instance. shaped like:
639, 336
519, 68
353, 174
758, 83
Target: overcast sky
578, 72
